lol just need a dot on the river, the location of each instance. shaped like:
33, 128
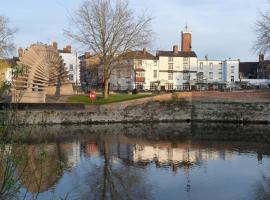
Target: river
145, 161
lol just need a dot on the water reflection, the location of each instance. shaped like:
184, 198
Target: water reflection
148, 162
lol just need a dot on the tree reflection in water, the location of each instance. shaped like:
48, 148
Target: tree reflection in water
28, 170
114, 179
117, 161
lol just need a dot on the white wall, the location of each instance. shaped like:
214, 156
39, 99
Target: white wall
71, 59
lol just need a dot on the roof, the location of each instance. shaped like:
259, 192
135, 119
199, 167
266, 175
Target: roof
143, 55
179, 54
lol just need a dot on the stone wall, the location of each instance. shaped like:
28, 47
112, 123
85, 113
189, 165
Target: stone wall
152, 111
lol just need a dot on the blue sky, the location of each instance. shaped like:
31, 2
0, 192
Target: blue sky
221, 28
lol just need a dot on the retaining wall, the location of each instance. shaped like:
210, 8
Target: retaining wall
152, 111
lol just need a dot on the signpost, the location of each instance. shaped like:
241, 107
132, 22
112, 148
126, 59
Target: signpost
92, 96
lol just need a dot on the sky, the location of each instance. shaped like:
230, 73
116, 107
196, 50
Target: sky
221, 29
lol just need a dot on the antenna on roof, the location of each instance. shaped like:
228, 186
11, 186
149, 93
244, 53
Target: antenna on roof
186, 27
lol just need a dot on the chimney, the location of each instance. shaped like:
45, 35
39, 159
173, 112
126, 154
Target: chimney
87, 55
144, 50
67, 49
20, 52
55, 45
175, 49
186, 41
261, 58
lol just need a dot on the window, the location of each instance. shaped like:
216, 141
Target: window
169, 86
138, 64
170, 76
153, 86
170, 66
210, 75
139, 86
211, 66
232, 78
155, 74
232, 69
170, 59
71, 77
71, 67
201, 65
186, 76
220, 75
140, 74
186, 66
220, 67
155, 63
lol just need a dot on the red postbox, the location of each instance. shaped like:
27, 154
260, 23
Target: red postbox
92, 96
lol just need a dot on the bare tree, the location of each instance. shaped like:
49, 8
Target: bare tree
6, 36
109, 28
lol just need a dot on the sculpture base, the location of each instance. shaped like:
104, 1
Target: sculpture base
28, 97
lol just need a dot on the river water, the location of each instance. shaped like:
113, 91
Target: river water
147, 161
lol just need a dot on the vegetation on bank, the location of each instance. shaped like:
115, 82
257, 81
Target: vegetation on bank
111, 99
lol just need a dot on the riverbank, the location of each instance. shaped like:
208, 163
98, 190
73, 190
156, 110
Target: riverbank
153, 111
178, 107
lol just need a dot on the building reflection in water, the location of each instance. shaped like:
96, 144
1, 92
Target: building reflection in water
121, 159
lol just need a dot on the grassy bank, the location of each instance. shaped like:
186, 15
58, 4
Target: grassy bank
100, 100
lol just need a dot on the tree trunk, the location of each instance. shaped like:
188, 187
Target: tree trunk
106, 89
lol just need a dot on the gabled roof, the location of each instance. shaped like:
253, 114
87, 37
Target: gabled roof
179, 54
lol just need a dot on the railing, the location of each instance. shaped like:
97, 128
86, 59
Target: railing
179, 88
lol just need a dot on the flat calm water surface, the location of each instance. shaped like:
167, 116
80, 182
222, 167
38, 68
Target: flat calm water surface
148, 161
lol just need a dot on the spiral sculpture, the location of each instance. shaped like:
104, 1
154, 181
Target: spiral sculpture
43, 74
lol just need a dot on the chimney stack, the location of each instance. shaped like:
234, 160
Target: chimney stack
55, 45
67, 49
87, 55
186, 41
144, 50
261, 58
175, 49
20, 52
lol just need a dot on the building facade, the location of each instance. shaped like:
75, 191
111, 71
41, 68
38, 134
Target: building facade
178, 69
72, 64
136, 69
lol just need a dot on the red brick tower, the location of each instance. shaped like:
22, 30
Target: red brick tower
186, 40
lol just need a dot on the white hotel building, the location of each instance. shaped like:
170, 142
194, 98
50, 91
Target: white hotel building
174, 70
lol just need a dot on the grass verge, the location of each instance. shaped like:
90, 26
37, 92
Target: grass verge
113, 98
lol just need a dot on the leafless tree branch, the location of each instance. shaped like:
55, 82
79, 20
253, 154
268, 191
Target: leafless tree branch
6, 37
109, 28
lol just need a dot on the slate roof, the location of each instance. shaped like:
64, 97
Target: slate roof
139, 55
179, 54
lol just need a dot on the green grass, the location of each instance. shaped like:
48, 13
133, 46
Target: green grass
113, 98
